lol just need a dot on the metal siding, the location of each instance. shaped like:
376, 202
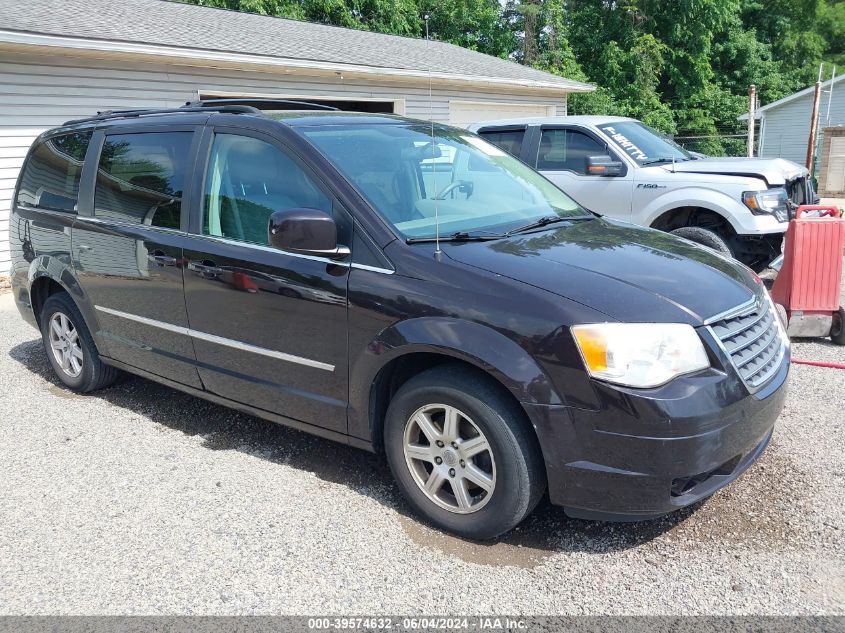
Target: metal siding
40, 92
788, 126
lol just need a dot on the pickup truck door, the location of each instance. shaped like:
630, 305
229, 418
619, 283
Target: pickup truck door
561, 156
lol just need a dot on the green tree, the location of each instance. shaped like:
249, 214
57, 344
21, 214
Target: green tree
475, 24
682, 66
399, 17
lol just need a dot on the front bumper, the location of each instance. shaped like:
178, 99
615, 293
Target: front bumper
647, 453
747, 223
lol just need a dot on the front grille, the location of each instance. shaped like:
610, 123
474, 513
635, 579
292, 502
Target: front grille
800, 191
752, 340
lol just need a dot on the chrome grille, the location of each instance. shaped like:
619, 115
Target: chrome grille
752, 340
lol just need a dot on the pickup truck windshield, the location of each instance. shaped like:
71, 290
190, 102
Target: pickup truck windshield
406, 174
644, 144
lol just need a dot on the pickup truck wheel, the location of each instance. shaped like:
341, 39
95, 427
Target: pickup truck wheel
70, 348
461, 453
705, 237
837, 329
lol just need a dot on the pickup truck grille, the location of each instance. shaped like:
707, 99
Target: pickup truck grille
800, 191
752, 340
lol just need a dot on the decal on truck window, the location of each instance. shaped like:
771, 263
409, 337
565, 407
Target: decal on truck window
622, 141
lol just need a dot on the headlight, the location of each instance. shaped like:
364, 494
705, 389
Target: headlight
769, 202
640, 354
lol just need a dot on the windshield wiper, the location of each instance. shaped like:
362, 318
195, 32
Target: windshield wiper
458, 236
664, 159
545, 221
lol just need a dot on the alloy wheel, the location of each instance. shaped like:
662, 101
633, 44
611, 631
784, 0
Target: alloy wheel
449, 458
65, 344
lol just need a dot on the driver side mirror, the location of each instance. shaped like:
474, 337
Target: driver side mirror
305, 231
603, 165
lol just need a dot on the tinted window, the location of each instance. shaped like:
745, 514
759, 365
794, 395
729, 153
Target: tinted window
51, 176
141, 178
247, 181
508, 140
567, 150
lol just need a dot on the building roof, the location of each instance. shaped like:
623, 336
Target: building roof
789, 98
199, 30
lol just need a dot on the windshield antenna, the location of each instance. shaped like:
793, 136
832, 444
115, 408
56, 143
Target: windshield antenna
433, 152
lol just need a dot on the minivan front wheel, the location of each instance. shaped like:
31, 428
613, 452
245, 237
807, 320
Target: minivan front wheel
70, 348
449, 458
460, 452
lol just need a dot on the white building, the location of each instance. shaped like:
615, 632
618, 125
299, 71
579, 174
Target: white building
785, 123
70, 59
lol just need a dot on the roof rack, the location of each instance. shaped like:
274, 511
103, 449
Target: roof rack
261, 103
123, 114
231, 106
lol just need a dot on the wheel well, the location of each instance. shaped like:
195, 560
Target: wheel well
398, 371
694, 216
42, 288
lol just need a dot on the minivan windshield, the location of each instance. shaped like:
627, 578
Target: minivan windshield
644, 144
409, 176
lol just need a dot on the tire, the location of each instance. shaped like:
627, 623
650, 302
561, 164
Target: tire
705, 237
837, 329
70, 348
782, 315
511, 463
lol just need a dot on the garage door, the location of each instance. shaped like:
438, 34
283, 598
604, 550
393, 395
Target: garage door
465, 112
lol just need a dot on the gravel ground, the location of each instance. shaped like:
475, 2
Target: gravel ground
143, 500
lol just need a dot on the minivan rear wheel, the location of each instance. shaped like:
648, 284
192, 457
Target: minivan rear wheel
70, 348
460, 452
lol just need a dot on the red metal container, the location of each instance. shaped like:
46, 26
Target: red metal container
809, 283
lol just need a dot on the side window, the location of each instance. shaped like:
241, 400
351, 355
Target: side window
141, 178
51, 175
249, 179
567, 150
508, 140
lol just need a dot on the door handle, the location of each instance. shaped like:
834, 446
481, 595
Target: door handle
160, 258
85, 247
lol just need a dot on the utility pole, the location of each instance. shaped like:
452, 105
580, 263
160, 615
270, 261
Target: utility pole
814, 126
752, 114
830, 95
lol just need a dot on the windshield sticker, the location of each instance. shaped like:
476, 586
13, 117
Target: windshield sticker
484, 146
622, 141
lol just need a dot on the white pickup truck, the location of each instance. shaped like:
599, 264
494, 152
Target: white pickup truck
624, 169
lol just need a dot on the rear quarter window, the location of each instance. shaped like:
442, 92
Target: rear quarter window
50, 178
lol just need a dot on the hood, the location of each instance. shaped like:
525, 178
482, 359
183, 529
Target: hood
775, 171
628, 273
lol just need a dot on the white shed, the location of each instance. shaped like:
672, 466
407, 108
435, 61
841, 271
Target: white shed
69, 59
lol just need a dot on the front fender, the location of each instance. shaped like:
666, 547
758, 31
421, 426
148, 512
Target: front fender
740, 218
479, 345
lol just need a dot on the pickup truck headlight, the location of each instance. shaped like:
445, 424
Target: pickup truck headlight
770, 202
640, 354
